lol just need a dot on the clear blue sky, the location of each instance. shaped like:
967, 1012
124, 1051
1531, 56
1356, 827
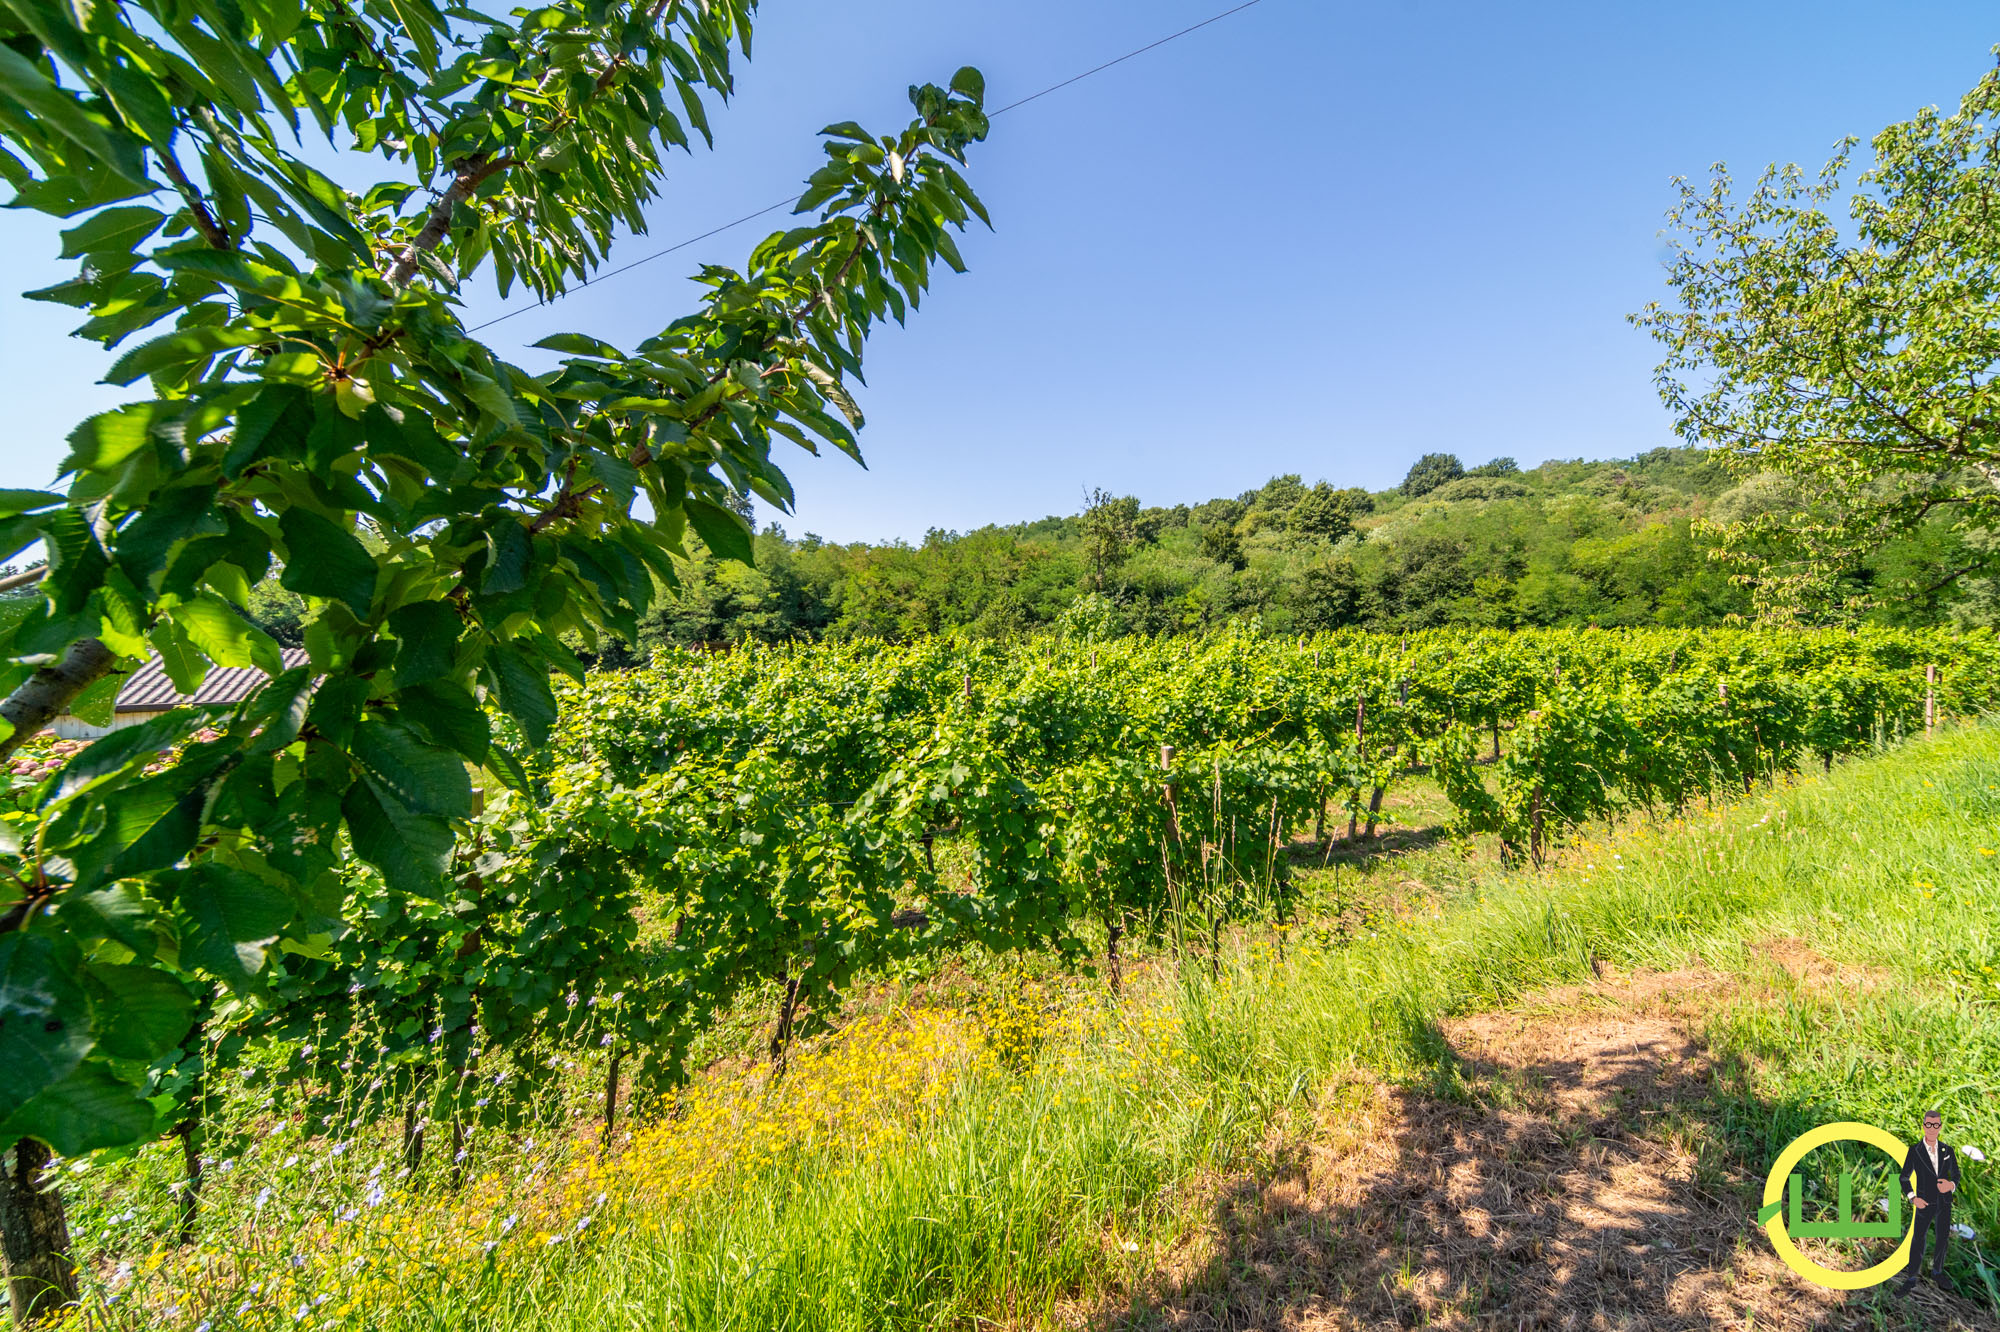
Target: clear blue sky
1317, 237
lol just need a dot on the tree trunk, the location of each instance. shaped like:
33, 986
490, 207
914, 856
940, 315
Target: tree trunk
41, 1278
1374, 811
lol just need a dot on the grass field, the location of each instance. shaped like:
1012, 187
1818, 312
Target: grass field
997, 1146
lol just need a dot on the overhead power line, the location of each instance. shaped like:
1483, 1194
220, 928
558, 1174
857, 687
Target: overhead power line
596, 278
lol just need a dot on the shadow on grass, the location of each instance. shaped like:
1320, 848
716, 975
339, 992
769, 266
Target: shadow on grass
1362, 850
1555, 1173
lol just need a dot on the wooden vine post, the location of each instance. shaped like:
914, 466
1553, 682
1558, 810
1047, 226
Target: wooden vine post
1535, 825
1360, 731
1930, 697
611, 1098
1173, 834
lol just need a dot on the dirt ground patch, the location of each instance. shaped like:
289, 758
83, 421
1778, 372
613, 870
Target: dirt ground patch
1576, 1184
1810, 970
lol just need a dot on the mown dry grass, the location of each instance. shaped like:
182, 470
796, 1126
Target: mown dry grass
1571, 1179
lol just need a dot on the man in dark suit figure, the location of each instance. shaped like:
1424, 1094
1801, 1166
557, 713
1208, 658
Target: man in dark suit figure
1930, 1178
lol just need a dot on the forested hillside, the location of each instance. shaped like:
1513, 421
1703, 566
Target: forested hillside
1566, 543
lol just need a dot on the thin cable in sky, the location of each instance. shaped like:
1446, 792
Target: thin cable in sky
787, 202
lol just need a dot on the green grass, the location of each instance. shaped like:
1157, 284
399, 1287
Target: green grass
1060, 1170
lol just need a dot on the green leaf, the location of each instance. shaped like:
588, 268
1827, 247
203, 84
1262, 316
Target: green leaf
17, 534
232, 919
413, 851
323, 559
142, 1012
182, 347
170, 516
119, 229
109, 438
449, 717
87, 1111
522, 678
426, 641
422, 777
721, 530
580, 344
151, 824
44, 1019
969, 82
98, 703
185, 666
59, 110
26, 501
275, 422
118, 913
491, 397
212, 625
507, 567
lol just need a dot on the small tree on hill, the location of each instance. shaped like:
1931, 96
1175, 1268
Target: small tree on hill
1326, 514
1110, 527
1431, 471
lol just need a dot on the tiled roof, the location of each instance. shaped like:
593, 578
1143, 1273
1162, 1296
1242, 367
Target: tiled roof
149, 690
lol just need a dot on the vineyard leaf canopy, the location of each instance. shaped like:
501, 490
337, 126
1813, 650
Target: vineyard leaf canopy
310, 404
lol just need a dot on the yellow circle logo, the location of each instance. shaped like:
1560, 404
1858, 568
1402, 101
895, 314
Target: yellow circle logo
1784, 1230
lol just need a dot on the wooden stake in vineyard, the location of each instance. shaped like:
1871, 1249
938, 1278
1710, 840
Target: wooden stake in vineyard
1535, 826
1930, 697
1166, 855
1360, 729
611, 1099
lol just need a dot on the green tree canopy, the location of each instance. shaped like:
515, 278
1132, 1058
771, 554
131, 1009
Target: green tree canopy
1431, 471
307, 399
1326, 514
1846, 340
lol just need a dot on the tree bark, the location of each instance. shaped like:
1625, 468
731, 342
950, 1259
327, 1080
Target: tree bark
50, 690
41, 1278
438, 225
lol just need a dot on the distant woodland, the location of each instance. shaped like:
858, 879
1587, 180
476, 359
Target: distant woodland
1567, 543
